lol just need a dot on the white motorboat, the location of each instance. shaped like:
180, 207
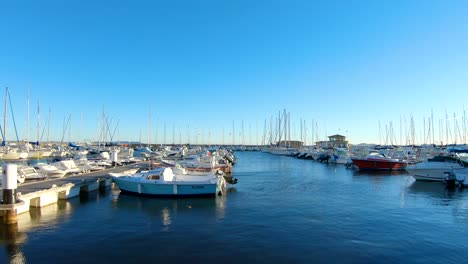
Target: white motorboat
435, 169
51, 170
164, 182
30, 173
68, 165
88, 165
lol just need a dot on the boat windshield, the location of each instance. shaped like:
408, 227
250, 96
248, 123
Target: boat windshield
153, 177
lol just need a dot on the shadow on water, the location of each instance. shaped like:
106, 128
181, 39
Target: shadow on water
379, 173
454, 197
231, 190
436, 189
150, 204
85, 197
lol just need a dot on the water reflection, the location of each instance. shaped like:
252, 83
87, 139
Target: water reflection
13, 240
435, 189
166, 219
166, 209
45, 217
437, 193
13, 237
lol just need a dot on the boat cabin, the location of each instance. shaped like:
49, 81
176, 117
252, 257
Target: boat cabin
335, 141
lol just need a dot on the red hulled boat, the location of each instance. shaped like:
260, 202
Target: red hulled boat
378, 161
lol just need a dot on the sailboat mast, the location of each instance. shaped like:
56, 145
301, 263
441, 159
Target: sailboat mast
5, 115
164, 132
27, 126
433, 128
38, 121
69, 130
289, 129
188, 132
250, 134
48, 127
149, 127
81, 125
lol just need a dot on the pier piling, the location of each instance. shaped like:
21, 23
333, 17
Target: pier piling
9, 185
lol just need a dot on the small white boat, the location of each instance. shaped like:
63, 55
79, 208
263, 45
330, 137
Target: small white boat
67, 165
30, 173
435, 169
51, 170
88, 165
14, 154
165, 183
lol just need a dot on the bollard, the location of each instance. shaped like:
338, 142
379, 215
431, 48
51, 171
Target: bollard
9, 183
114, 158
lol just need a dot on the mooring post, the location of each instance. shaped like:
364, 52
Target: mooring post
114, 158
9, 185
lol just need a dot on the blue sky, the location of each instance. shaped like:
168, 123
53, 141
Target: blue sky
346, 66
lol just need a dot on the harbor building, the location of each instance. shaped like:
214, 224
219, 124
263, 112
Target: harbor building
335, 141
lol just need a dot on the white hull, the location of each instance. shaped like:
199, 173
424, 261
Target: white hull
34, 154
164, 183
432, 171
52, 171
46, 153
11, 156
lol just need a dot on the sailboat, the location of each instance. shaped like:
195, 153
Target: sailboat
35, 152
10, 153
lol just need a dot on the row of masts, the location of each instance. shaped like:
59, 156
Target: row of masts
441, 132
39, 136
281, 133
449, 130
107, 129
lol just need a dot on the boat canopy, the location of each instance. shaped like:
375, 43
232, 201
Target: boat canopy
168, 174
457, 150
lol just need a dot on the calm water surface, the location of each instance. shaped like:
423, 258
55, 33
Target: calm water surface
283, 210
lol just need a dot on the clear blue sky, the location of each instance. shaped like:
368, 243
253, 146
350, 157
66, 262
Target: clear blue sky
344, 65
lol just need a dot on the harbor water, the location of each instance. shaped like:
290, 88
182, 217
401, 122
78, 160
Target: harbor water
283, 210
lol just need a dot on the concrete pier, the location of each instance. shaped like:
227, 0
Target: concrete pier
38, 194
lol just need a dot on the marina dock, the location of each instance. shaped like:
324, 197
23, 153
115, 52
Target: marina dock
45, 192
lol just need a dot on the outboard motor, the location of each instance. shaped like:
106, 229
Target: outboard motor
450, 178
